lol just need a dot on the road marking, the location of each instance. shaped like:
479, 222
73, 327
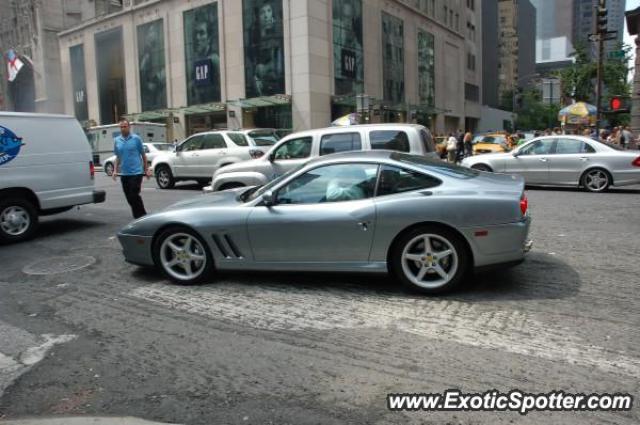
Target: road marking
297, 309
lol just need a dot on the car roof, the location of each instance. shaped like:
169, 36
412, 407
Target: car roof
347, 128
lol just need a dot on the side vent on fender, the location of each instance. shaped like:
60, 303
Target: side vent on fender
227, 247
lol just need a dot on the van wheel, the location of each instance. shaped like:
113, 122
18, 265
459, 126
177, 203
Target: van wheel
164, 177
18, 220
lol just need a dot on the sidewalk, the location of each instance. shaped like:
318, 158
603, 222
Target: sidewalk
82, 421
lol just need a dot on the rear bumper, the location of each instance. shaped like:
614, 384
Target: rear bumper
99, 196
501, 244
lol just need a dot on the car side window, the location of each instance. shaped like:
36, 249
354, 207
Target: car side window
427, 141
214, 141
331, 183
539, 147
193, 144
294, 149
393, 140
340, 142
398, 180
569, 146
238, 139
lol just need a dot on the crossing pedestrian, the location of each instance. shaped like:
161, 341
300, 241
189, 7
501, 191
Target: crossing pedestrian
131, 161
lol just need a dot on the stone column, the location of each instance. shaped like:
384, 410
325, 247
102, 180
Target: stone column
635, 94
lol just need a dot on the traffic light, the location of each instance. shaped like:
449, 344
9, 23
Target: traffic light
618, 105
601, 17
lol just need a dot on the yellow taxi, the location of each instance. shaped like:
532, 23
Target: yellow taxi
490, 143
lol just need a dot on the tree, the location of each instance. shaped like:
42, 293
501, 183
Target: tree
506, 100
534, 114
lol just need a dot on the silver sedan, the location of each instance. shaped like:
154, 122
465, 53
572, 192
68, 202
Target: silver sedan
565, 161
427, 222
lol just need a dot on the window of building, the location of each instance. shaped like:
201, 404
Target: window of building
347, 47
393, 58
153, 88
426, 68
202, 54
471, 92
446, 14
471, 62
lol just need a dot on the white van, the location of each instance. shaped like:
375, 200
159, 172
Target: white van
45, 168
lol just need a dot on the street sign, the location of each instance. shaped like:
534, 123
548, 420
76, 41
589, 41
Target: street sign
616, 54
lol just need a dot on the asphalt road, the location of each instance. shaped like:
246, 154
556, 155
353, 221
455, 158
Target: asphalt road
82, 332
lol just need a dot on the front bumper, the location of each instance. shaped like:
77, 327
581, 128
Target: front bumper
99, 196
137, 249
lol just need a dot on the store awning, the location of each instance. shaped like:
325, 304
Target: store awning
187, 110
262, 101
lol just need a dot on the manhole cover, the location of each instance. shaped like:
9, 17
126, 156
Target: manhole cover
56, 265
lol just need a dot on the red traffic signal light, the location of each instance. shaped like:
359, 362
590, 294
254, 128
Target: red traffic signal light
615, 103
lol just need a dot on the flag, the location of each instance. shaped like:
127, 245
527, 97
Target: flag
14, 64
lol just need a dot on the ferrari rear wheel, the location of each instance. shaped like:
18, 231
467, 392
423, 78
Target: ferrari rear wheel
183, 256
430, 259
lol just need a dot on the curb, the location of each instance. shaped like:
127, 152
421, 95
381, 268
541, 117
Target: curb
80, 420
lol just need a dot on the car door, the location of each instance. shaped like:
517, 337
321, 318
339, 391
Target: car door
211, 156
290, 154
570, 159
325, 215
532, 161
186, 156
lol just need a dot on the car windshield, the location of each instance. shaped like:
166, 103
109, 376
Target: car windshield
257, 191
264, 137
493, 140
163, 146
433, 165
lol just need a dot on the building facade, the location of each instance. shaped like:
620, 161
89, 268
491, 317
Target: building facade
584, 17
554, 34
490, 31
516, 35
288, 64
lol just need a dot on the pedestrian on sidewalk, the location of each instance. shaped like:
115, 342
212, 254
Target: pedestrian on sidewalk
468, 148
132, 163
452, 146
626, 137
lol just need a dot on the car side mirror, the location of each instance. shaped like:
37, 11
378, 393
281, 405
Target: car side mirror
515, 154
268, 199
272, 157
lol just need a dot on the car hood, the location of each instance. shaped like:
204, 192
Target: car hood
214, 199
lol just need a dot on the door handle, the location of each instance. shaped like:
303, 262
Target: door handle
543, 159
222, 153
584, 158
364, 224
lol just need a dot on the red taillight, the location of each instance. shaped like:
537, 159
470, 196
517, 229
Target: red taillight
255, 153
524, 204
636, 162
92, 169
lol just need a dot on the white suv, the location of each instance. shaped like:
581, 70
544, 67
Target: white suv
150, 149
199, 156
299, 148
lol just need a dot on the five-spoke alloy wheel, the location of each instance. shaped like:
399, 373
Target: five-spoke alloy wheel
183, 256
430, 259
596, 180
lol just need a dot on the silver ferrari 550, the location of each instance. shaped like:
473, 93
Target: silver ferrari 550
565, 161
427, 222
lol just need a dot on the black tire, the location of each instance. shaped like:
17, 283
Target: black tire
164, 177
429, 283
175, 231
231, 185
482, 167
108, 169
13, 210
588, 180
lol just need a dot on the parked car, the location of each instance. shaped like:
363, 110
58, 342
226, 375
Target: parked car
299, 148
565, 160
490, 143
45, 168
199, 156
150, 149
376, 211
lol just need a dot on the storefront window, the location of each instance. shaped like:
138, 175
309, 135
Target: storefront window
263, 47
426, 76
202, 52
80, 107
153, 83
347, 47
393, 58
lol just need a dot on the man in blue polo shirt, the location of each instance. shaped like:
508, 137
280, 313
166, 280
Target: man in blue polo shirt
132, 163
